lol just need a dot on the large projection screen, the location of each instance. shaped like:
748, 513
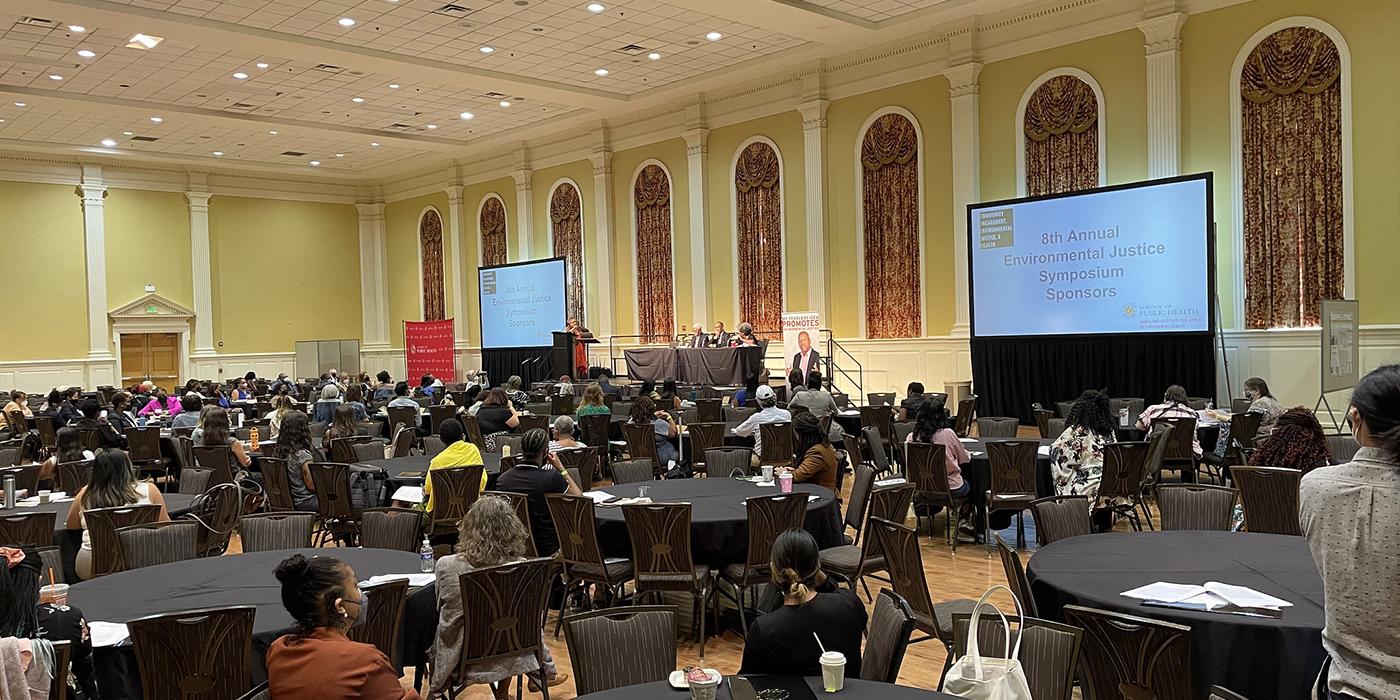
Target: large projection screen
522, 304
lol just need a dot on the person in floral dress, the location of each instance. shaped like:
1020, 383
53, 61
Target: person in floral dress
1076, 461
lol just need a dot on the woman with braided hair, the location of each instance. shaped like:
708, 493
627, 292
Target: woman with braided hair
1296, 443
22, 615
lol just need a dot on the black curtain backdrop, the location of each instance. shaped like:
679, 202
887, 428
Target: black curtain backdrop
502, 362
1009, 374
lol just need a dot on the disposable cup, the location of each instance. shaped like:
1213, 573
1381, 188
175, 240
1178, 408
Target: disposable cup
44, 495
704, 690
767, 472
56, 594
785, 483
833, 671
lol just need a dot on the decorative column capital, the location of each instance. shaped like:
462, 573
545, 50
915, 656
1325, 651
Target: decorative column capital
602, 163
198, 201
814, 114
454, 194
697, 142
523, 179
962, 79
92, 194
1163, 34
370, 211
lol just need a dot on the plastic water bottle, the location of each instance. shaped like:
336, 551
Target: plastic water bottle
425, 556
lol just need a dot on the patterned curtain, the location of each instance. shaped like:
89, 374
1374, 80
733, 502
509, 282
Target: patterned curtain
565, 211
1292, 148
493, 232
760, 218
1062, 137
430, 240
652, 196
889, 156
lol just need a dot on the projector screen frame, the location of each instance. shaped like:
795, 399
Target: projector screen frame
481, 312
1212, 301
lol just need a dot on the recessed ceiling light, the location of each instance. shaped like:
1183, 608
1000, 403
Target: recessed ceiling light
77, 28
315, 162
340, 155
345, 22
654, 56
466, 115
157, 120
357, 100
109, 143
128, 133
432, 126
487, 49
505, 103
601, 71
274, 133
86, 53
393, 86
21, 104
55, 77
374, 144
143, 41
595, 8
240, 76
218, 153
263, 66
714, 36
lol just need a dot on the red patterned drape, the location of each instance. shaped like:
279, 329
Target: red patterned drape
655, 311
889, 155
493, 232
430, 242
1292, 152
1062, 137
566, 214
760, 218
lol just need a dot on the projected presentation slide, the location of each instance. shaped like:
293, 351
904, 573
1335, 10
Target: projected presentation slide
1129, 260
522, 304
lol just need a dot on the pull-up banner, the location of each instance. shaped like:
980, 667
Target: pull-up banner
429, 349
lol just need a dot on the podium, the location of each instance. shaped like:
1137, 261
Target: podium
561, 354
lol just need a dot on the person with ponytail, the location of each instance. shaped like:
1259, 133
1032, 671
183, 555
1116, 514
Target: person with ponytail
781, 643
317, 661
1350, 514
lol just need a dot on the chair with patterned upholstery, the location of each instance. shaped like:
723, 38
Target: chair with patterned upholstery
194, 481
580, 553
926, 465
1016, 578
71, 476
1060, 517
1132, 657
856, 561
1270, 498
709, 411
403, 442
454, 491
391, 528
662, 560
1120, 488
906, 566
218, 458
704, 437
727, 460
1050, 651
962, 422
143, 446
102, 525
383, 617
1013, 482
1180, 451
334, 507
1042, 422
521, 504
1342, 448
262, 532
619, 647
633, 471
768, 517
504, 606
997, 427
34, 529
1195, 506
777, 444
194, 653
887, 636
585, 461
402, 415
641, 443
151, 544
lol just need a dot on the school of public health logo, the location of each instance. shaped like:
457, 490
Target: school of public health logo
1129, 311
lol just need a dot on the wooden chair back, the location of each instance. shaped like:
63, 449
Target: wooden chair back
1013, 469
1181, 440
384, 616
1270, 498
48, 431
224, 503
1132, 657
777, 444
402, 415
454, 491
704, 436
194, 481
768, 517
26, 477
641, 442
595, 429
143, 445
585, 460
1060, 517
891, 624
504, 608
723, 461
521, 504
194, 654
1042, 422
1124, 468
71, 476
1050, 651
618, 647
1016, 578
905, 564
997, 427
881, 418
1342, 448
530, 422
333, 504
661, 554
886, 503
102, 524
472, 427
878, 457
152, 544
1195, 506
33, 529
578, 534
403, 442
709, 410
63, 657
962, 423
926, 465
561, 405
277, 484
218, 458
860, 498
438, 414
263, 532
391, 528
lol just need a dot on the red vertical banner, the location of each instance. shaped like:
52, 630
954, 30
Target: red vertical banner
429, 349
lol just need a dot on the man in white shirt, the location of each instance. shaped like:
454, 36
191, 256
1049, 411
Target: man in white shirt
699, 339
768, 412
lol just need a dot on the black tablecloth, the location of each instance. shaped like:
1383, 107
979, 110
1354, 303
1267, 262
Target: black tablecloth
1256, 657
69, 541
722, 366
718, 520
981, 466
241, 579
855, 689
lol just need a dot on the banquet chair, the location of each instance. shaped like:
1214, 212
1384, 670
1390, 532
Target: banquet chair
726, 460
906, 563
767, 517
34, 529
318, 433
885, 398
454, 491
71, 476
277, 485
1057, 427
537, 406
1063, 407
1042, 422
927, 467
469, 424
402, 415
143, 446
902, 432
709, 411
521, 504
1060, 517
561, 405
194, 653
1125, 652
528, 423
777, 448
580, 554
843, 401
383, 617
504, 607
1157, 438
661, 556
1180, 452
855, 562
18, 422
619, 647
641, 443
90, 439
1243, 427
343, 449
738, 414
1342, 448
194, 481
333, 505
262, 532
1270, 498
1195, 506
1016, 578
369, 451
851, 444
962, 423
1049, 650
886, 638
1124, 466
703, 437
48, 432
1012, 483
223, 505
186, 431
102, 524
632, 471
438, 414
1221, 693
367, 428
403, 442
432, 445
997, 427
583, 459
879, 458
856, 507
53, 563
595, 430
391, 528
881, 418
151, 544
26, 477
184, 451
219, 458
62, 658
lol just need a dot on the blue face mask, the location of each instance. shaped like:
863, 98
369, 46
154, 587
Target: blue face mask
360, 611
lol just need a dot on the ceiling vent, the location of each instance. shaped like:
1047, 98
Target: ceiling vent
147, 139
328, 68
242, 105
495, 95
38, 22
453, 10
295, 154
398, 127
632, 50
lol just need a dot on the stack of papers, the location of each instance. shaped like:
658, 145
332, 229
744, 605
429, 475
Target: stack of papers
107, 634
1211, 596
414, 580
890, 482
968, 440
598, 496
1043, 450
409, 494
55, 497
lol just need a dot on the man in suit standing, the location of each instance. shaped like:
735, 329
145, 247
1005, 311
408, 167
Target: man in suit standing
699, 339
721, 337
807, 359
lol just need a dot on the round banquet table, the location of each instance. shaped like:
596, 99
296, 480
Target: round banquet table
719, 527
1254, 656
855, 689
69, 541
237, 579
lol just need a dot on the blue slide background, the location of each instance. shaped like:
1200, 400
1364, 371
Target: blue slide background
1166, 292
522, 305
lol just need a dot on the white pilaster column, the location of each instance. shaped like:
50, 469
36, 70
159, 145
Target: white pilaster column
199, 269
602, 272
814, 163
524, 211
962, 91
1163, 44
374, 294
459, 283
92, 190
697, 156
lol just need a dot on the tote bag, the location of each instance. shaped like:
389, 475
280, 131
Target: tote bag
988, 678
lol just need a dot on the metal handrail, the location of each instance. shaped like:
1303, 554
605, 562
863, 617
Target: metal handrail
832, 345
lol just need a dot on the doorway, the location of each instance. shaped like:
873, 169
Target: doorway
153, 356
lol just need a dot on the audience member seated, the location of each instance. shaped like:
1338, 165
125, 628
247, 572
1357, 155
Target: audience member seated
1349, 516
1077, 454
565, 387
1260, 401
768, 412
592, 402
933, 426
913, 396
456, 452
401, 400
746, 396
317, 661
1173, 405
216, 430
564, 428
282, 383
384, 390
817, 461
67, 448
188, 416
92, 419
644, 412
605, 381
473, 400
536, 474
294, 443
216, 392
324, 411
490, 535
517, 397
242, 391
669, 399
112, 484
123, 416
68, 405
496, 417
18, 403
648, 389
427, 386
1296, 443
23, 616
784, 641
355, 399
819, 402
281, 405
343, 424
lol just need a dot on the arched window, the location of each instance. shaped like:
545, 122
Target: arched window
430, 254
492, 220
1061, 125
1292, 163
655, 287
758, 212
566, 228
892, 229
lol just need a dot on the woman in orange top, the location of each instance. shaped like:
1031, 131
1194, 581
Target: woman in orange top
318, 662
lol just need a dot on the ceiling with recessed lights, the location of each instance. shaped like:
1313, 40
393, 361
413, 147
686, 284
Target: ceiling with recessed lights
375, 86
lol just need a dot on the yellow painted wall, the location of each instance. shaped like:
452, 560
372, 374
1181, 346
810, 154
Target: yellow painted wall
402, 262
41, 234
148, 242
283, 271
542, 240
626, 164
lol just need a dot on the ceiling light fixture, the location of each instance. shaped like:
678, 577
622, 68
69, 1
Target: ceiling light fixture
55, 77
86, 53
357, 100
109, 143
128, 133
77, 28
393, 86
654, 56
340, 155
505, 103
487, 49
601, 72
218, 154
143, 41
240, 76
374, 144
345, 22
714, 36
466, 115
315, 162
157, 120
21, 104
595, 8
432, 126
274, 133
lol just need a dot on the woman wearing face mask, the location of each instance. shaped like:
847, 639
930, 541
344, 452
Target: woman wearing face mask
318, 662
1350, 514
1260, 401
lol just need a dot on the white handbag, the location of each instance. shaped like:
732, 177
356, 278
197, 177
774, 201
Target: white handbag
993, 678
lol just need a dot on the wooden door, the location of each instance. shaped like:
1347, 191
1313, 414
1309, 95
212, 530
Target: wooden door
153, 356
